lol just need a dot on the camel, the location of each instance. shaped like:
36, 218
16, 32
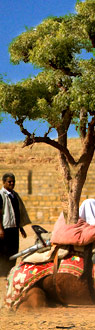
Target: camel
69, 281
68, 289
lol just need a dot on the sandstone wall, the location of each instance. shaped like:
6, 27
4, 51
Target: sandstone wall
39, 179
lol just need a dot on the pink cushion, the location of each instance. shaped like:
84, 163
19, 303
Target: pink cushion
80, 233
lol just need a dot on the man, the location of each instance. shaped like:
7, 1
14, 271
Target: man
87, 211
13, 216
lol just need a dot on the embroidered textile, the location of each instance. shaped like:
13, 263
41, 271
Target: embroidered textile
24, 276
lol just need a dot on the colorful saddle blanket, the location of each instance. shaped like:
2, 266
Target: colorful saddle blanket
24, 276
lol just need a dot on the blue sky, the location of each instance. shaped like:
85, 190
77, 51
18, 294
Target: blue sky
15, 15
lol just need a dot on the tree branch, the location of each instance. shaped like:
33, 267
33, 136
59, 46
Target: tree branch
89, 143
19, 122
65, 70
31, 139
34, 139
83, 120
48, 131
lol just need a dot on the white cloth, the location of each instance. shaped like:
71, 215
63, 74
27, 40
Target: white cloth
87, 211
46, 256
9, 220
8, 211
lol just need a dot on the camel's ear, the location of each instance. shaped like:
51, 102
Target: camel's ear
39, 230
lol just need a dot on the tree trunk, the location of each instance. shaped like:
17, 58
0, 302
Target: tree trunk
75, 183
75, 188
73, 202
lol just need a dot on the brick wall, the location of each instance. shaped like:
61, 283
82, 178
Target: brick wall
40, 183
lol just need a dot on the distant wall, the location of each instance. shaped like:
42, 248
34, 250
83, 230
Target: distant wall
41, 185
39, 191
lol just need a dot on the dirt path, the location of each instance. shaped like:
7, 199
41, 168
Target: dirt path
71, 317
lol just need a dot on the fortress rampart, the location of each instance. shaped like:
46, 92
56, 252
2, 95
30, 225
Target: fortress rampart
39, 179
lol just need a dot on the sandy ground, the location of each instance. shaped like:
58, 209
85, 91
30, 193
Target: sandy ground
59, 317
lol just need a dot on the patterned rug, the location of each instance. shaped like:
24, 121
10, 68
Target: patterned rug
24, 276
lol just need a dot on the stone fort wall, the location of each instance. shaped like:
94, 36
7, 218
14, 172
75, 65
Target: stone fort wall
40, 181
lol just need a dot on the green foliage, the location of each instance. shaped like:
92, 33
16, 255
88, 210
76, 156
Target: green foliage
86, 10
83, 88
52, 43
78, 1
66, 85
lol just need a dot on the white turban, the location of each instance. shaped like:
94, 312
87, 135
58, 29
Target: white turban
87, 211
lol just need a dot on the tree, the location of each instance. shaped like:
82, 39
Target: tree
63, 93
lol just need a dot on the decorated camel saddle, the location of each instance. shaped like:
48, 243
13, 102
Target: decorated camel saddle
62, 251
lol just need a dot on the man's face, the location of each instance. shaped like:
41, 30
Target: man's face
9, 184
